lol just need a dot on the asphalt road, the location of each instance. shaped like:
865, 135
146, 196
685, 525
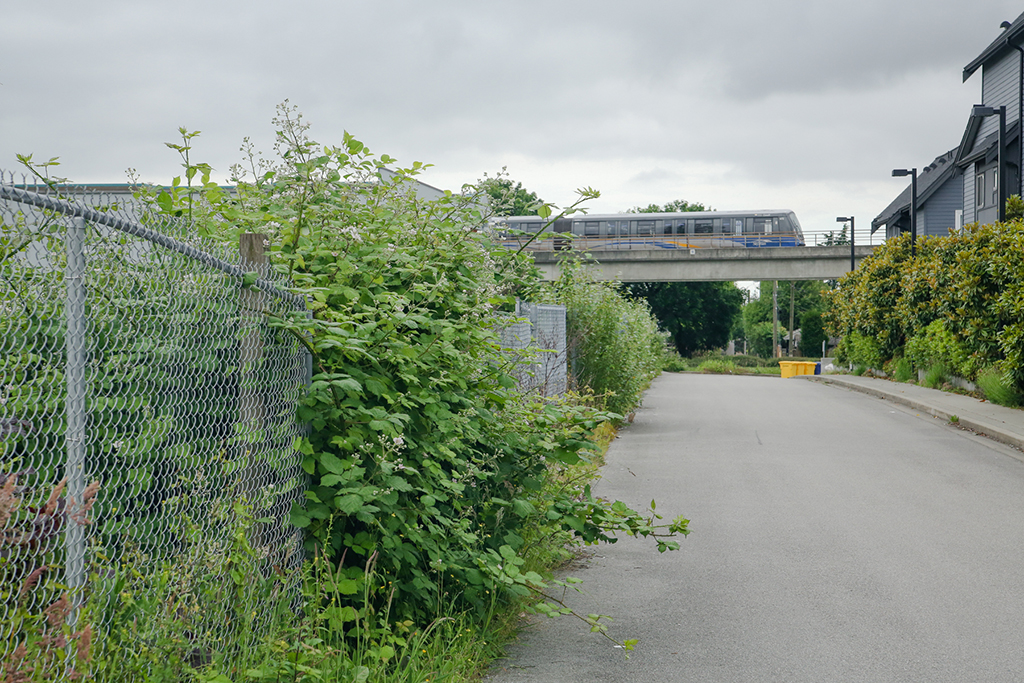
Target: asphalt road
836, 537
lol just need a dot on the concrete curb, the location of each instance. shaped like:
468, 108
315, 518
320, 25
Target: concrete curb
990, 428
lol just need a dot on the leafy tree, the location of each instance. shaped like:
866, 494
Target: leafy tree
757, 325
510, 198
697, 315
832, 239
674, 206
812, 332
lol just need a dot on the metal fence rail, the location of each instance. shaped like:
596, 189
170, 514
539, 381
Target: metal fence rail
147, 425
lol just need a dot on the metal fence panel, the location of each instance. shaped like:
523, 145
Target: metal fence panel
537, 339
147, 429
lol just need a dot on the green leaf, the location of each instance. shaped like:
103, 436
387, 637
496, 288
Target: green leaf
249, 279
333, 464
349, 504
164, 201
299, 518
523, 508
348, 384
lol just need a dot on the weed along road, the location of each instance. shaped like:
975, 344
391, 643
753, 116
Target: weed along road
836, 537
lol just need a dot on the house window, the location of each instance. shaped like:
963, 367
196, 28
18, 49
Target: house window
979, 190
995, 188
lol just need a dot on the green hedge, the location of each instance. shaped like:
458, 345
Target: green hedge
959, 303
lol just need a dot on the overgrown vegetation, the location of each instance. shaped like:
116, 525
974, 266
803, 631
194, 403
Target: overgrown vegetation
613, 342
436, 486
955, 309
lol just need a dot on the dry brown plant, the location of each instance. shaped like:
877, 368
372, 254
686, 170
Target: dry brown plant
51, 502
31, 579
9, 500
13, 670
80, 514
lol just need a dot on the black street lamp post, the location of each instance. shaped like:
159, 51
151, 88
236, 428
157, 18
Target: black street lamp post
897, 172
844, 219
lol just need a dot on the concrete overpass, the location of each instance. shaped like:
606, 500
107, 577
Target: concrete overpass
697, 265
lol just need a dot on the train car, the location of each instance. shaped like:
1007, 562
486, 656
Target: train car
687, 230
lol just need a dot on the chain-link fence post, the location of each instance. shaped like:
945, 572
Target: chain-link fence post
74, 532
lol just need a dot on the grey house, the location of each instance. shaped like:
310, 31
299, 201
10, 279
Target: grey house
962, 186
939, 201
978, 153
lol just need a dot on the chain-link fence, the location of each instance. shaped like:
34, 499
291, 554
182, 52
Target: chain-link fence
147, 429
538, 334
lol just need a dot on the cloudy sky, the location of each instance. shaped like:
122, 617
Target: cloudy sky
737, 104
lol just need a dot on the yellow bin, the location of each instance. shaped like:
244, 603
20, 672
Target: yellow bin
788, 368
806, 368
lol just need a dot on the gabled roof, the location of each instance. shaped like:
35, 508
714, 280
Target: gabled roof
971, 149
1012, 35
929, 181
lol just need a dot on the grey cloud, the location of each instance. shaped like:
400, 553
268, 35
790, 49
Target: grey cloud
779, 92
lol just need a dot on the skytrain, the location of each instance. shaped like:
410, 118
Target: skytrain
686, 230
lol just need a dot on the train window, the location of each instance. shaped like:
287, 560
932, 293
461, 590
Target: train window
667, 229
703, 226
784, 225
645, 227
717, 226
762, 225
591, 228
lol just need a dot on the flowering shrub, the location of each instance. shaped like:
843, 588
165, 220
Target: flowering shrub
422, 453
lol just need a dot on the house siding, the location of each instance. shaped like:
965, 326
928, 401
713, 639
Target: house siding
999, 83
942, 207
968, 185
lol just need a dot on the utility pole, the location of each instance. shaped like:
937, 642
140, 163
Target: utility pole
792, 306
775, 320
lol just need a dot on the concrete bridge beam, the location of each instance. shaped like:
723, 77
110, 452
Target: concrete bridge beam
708, 265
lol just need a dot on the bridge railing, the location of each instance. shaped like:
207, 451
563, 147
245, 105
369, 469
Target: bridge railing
565, 241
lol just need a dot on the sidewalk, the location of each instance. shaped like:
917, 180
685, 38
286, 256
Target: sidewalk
994, 421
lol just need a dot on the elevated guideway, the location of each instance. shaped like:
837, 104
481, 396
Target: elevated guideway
708, 265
